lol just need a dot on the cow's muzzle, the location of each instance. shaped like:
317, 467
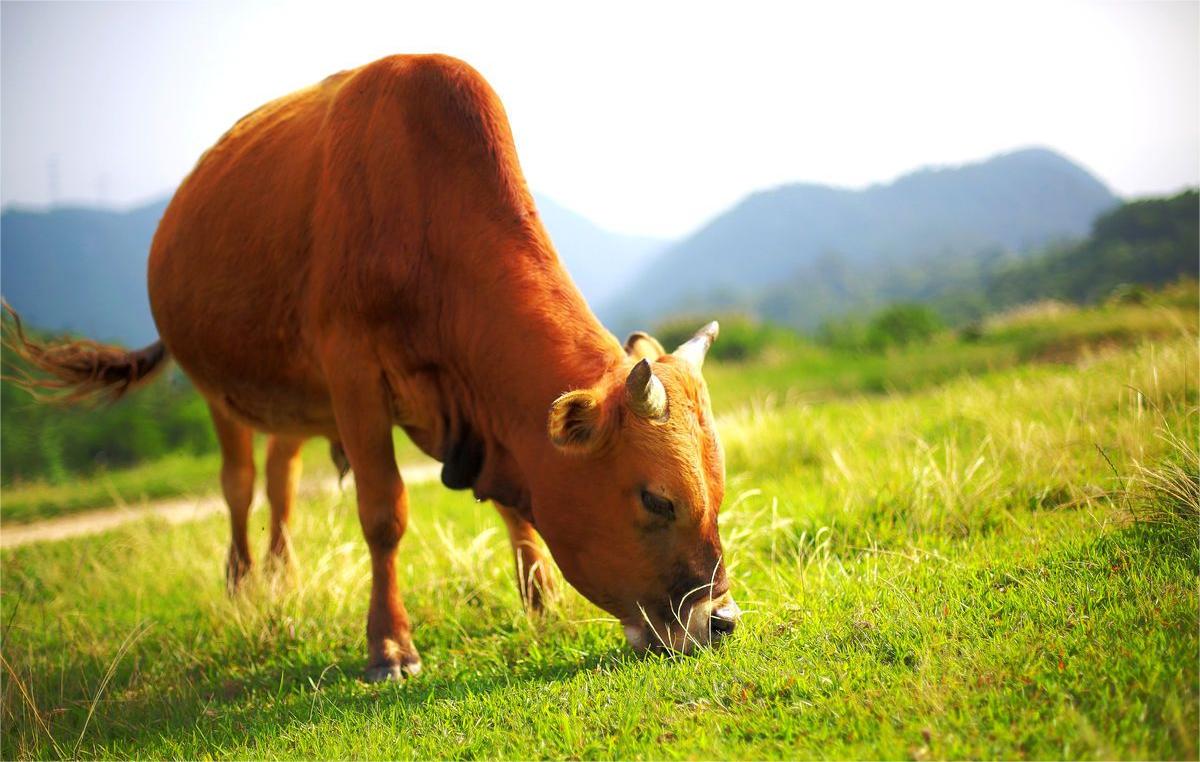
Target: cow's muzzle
705, 623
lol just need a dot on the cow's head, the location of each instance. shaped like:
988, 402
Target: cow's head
630, 504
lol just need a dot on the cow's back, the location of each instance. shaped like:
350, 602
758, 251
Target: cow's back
380, 197
231, 257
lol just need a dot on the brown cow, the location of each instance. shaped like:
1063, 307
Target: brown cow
365, 253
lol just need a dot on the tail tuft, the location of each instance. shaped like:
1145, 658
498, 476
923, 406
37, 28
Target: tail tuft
79, 371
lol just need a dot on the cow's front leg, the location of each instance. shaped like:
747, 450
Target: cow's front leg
383, 513
533, 573
364, 427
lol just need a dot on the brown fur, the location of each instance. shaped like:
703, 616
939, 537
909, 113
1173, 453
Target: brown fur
365, 253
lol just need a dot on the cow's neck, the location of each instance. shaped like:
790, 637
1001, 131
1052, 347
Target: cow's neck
528, 336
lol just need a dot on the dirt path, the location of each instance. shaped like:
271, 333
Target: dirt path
174, 511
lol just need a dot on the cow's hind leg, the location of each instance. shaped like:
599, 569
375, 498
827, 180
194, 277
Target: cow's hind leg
237, 483
283, 474
533, 574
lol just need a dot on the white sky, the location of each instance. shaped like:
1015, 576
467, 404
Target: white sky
645, 117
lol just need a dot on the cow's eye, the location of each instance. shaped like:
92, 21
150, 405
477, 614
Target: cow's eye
658, 505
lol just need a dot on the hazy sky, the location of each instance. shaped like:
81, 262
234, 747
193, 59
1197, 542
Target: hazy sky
645, 117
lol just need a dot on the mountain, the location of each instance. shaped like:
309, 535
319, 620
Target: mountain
601, 263
83, 270
803, 253
1148, 242
80, 270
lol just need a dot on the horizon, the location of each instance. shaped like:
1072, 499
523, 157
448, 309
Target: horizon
166, 195
653, 141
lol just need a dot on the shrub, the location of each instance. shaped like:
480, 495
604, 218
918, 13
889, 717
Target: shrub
1128, 293
847, 333
971, 332
901, 325
57, 443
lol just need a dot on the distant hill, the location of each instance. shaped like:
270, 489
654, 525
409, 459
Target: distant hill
1149, 242
83, 270
803, 253
602, 263
80, 270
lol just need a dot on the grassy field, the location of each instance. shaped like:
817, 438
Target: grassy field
796, 371
172, 476
1046, 333
993, 558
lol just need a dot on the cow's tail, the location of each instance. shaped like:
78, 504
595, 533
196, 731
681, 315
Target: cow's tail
77, 371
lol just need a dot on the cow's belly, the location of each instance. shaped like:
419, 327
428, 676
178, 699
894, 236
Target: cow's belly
266, 391
275, 409
237, 334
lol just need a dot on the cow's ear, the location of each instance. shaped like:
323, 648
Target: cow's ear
643, 346
576, 422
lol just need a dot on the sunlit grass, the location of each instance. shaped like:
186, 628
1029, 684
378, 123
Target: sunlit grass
1001, 566
807, 372
170, 476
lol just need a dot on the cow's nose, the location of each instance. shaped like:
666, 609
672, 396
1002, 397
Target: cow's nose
724, 619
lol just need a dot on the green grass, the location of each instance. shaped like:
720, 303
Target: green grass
806, 372
1005, 565
790, 370
171, 476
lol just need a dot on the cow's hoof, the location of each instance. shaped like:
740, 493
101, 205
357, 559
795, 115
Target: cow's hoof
236, 569
382, 673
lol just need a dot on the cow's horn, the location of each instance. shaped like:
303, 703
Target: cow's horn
694, 349
647, 396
